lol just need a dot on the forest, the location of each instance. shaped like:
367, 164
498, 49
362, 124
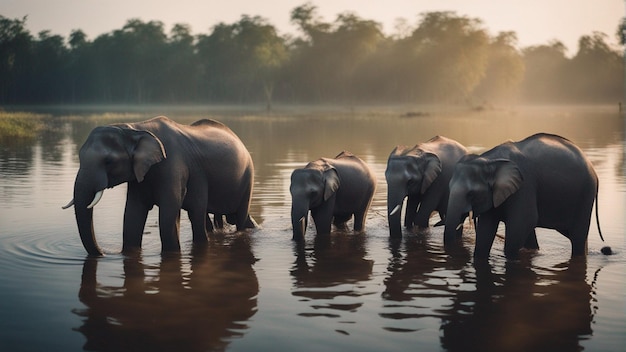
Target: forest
444, 58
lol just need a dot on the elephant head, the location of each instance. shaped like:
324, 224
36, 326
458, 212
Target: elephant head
410, 172
478, 185
111, 155
310, 188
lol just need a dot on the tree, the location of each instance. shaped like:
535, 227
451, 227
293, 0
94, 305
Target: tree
240, 61
450, 56
545, 75
180, 69
594, 73
327, 61
504, 71
49, 77
15, 59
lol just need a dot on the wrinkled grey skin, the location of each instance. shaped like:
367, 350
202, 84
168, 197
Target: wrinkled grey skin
542, 181
421, 174
333, 190
202, 168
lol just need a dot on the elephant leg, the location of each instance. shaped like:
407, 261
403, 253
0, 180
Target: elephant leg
517, 234
359, 221
218, 219
135, 216
485, 233
340, 220
531, 241
578, 241
579, 231
427, 207
209, 223
169, 227
198, 218
323, 215
243, 210
412, 203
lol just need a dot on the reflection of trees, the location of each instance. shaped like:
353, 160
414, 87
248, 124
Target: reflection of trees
330, 272
188, 304
523, 309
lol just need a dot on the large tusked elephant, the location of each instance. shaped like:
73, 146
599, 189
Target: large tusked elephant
421, 174
333, 190
202, 168
542, 181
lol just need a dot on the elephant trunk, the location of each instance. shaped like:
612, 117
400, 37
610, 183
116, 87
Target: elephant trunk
455, 216
85, 198
394, 211
299, 214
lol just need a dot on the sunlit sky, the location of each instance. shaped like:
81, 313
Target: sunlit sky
534, 21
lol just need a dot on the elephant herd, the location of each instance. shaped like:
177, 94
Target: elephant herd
542, 181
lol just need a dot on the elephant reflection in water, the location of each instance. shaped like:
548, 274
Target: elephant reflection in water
524, 309
185, 304
336, 259
415, 274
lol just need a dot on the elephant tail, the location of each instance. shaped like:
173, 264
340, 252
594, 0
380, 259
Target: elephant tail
606, 250
598, 217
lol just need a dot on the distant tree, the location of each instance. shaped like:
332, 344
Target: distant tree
545, 73
49, 78
80, 68
596, 71
146, 45
504, 71
180, 66
450, 56
240, 60
326, 62
621, 31
15, 59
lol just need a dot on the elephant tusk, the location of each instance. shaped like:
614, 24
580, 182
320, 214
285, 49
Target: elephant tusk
68, 204
395, 210
302, 225
459, 226
96, 199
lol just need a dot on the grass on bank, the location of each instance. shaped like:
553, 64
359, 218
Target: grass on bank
20, 125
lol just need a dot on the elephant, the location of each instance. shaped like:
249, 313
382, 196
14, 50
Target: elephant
201, 168
420, 173
333, 190
542, 181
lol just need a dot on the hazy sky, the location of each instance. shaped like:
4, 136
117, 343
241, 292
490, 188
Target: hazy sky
534, 21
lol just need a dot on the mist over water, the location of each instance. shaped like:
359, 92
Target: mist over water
260, 291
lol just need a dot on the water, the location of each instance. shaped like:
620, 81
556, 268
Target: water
260, 291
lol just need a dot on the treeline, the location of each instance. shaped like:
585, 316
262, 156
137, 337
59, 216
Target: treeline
444, 58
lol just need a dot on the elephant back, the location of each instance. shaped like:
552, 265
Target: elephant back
212, 123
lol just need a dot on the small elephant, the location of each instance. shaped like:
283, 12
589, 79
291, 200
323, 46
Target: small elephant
202, 168
542, 181
420, 173
333, 190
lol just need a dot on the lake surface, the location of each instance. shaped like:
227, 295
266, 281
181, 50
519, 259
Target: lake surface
258, 290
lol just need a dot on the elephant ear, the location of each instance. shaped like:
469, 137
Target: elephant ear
507, 180
331, 183
148, 150
432, 169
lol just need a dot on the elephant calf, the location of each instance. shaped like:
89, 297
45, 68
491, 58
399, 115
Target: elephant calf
202, 168
333, 190
420, 173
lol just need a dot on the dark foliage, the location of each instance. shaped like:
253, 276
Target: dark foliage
444, 58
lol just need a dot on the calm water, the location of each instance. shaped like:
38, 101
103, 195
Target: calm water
259, 291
